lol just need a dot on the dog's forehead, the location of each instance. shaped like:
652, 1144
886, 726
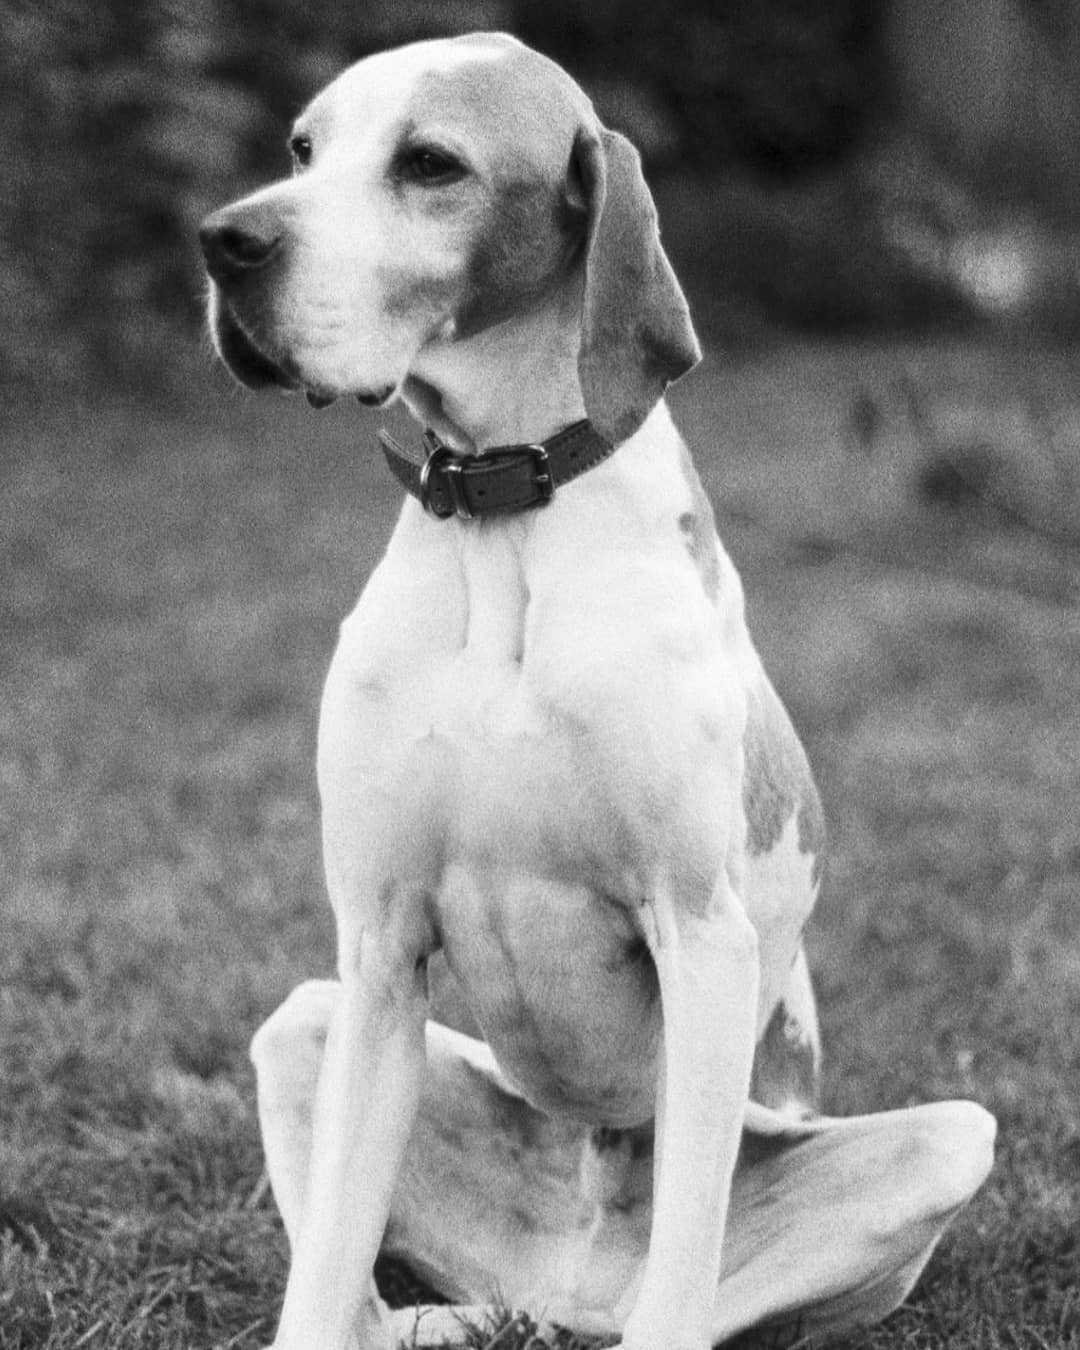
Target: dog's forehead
489, 90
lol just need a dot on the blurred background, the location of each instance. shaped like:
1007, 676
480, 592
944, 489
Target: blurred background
862, 163
874, 206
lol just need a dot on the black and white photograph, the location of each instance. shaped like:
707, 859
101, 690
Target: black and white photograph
540, 675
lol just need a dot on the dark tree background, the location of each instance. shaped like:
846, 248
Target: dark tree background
812, 160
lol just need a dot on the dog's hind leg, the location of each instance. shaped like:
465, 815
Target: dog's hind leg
832, 1220
502, 1208
287, 1052
489, 1207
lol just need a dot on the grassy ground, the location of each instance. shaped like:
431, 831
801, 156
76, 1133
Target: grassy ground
171, 589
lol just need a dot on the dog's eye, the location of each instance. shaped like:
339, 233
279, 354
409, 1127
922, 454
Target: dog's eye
300, 149
424, 164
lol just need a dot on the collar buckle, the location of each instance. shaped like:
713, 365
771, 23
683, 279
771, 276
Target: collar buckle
500, 481
441, 456
452, 472
545, 484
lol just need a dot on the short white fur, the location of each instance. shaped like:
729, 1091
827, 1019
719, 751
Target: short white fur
532, 770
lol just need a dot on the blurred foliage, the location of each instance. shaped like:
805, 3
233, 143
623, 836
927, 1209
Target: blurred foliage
127, 120
782, 85
790, 143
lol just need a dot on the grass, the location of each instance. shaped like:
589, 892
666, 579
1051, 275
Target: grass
905, 522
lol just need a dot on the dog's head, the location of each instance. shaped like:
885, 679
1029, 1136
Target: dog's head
438, 190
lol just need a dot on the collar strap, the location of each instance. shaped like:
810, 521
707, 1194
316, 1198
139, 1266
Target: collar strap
503, 479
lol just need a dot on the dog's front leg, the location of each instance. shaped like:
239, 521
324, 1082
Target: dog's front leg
368, 1091
707, 964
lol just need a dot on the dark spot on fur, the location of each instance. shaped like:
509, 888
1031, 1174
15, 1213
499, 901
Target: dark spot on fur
811, 826
528, 242
447, 1133
617, 1168
698, 528
637, 951
521, 1125
777, 781
605, 1137
522, 1220
960, 478
640, 1138
698, 536
785, 1065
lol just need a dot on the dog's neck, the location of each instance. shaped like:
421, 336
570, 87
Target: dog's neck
515, 382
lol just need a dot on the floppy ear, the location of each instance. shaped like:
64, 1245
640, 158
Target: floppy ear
636, 333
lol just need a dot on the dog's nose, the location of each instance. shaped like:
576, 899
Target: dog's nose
235, 244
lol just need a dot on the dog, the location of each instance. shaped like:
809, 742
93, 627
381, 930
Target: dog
571, 1059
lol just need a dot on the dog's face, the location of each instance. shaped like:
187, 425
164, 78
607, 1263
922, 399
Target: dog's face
437, 190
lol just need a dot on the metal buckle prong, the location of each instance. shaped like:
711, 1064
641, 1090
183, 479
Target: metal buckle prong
542, 473
453, 473
440, 454
453, 465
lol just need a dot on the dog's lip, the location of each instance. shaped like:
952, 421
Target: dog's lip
320, 397
377, 398
245, 358
249, 362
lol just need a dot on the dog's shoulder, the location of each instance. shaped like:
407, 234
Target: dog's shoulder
778, 784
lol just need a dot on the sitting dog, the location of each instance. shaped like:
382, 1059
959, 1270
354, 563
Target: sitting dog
570, 1062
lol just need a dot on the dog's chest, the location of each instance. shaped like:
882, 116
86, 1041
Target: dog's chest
581, 731
552, 745
544, 861
574, 710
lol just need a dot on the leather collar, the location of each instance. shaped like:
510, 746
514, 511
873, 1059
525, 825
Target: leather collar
504, 479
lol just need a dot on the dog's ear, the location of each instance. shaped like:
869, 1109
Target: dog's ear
636, 333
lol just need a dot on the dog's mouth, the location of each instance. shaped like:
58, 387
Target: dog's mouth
246, 362
250, 365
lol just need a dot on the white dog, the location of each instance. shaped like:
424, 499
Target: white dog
571, 839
